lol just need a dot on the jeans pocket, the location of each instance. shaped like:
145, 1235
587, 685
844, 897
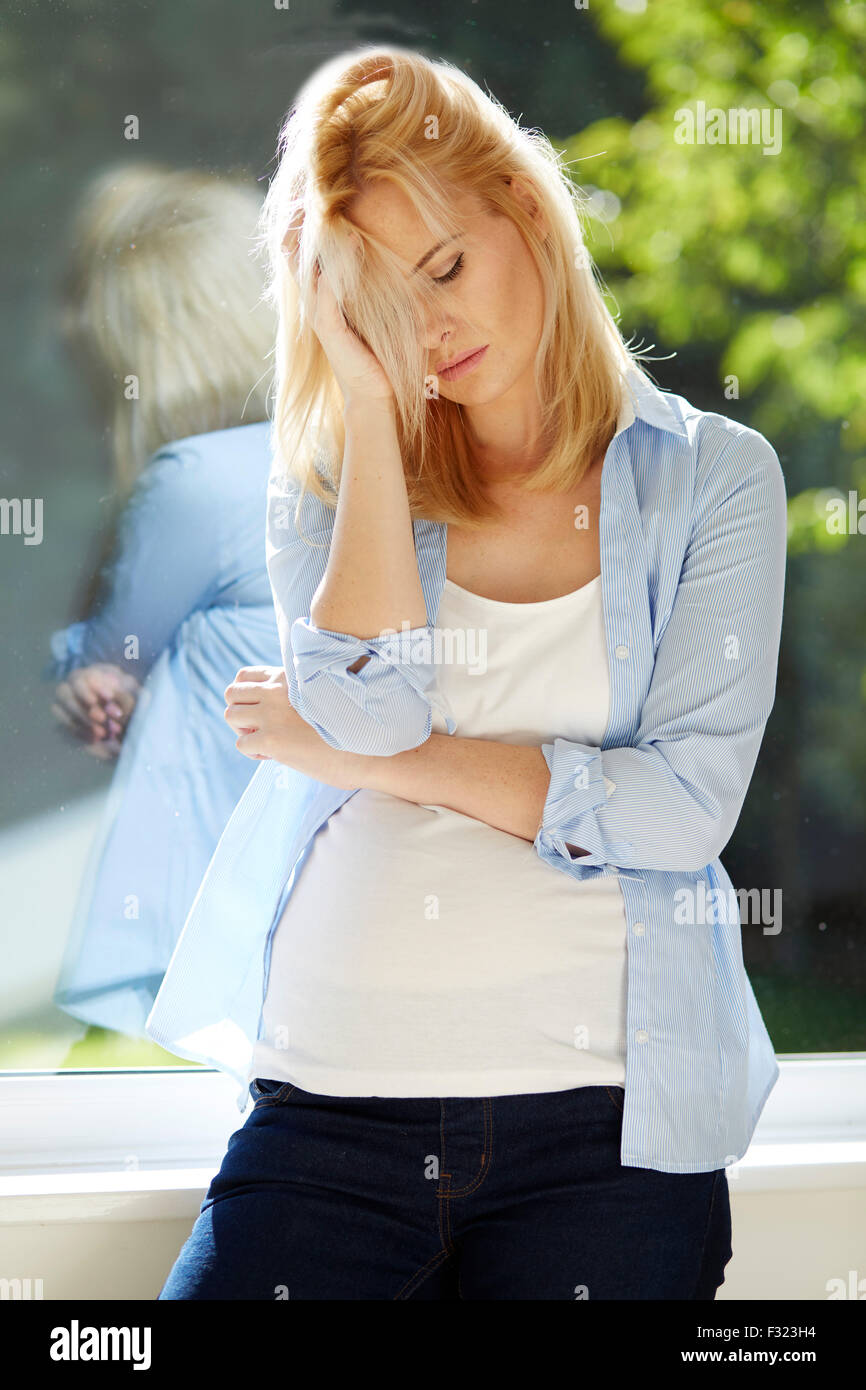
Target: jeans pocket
265, 1090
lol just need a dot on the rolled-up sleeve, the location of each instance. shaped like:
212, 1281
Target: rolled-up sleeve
384, 707
672, 799
67, 646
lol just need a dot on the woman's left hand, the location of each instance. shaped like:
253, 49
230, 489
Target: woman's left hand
268, 726
95, 704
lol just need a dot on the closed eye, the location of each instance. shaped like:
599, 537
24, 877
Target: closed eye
450, 274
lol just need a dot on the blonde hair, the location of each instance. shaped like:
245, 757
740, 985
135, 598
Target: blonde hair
163, 284
368, 115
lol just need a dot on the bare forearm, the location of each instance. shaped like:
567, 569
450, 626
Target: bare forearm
371, 582
503, 784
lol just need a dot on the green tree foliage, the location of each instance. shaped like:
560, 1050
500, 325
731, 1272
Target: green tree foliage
755, 260
750, 266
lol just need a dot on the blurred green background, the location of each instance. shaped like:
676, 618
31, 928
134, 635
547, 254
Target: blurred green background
745, 269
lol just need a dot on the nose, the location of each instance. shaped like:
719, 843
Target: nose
438, 330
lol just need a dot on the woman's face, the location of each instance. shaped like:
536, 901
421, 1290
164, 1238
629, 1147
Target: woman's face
488, 293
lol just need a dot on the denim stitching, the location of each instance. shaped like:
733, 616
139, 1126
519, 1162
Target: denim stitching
486, 1159
423, 1273
445, 1215
719, 1173
614, 1100
276, 1098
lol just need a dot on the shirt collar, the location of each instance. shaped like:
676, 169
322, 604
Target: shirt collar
642, 400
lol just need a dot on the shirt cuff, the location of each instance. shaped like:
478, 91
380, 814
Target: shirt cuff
67, 648
578, 787
319, 650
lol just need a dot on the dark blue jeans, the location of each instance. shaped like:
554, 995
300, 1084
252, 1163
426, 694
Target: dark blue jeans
502, 1197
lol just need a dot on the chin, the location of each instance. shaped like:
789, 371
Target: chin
469, 392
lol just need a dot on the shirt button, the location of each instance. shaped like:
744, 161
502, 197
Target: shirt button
621, 651
641, 1035
638, 928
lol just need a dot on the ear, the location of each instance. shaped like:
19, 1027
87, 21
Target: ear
523, 193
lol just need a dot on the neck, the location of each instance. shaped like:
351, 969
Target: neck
505, 434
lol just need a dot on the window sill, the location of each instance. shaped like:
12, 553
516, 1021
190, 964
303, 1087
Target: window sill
143, 1145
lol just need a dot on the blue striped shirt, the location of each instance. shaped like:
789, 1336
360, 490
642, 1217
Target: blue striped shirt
693, 531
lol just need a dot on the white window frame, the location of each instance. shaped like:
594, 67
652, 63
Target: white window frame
143, 1144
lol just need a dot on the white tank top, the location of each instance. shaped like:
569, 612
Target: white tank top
422, 952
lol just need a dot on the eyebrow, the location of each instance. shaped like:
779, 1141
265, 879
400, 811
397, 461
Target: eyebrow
430, 254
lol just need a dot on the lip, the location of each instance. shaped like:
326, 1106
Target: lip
463, 364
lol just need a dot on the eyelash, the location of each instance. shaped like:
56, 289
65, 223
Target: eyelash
450, 274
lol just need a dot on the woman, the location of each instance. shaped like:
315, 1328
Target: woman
531, 623
164, 307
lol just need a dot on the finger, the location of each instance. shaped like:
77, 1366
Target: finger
65, 719
246, 692
105, 748
248, 678
125, 703
82, 684
102, 751
238, 718
90, 716
256, 673
66, 696
120, 706
251, 745
327, 306
104, 685
65, 699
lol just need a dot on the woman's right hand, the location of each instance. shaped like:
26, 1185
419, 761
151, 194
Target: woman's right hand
359, 374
